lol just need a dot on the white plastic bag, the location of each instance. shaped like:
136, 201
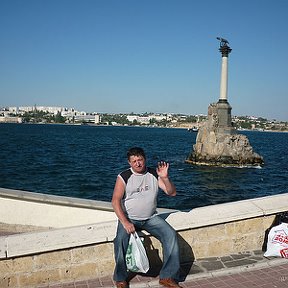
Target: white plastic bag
277, 244
136, 257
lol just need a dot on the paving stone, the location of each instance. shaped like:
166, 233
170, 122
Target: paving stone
257, 258
196, 269
240, 256
258, 252
226, 258
240, 262
212, 265
207, 259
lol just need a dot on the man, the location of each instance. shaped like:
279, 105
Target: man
134, 202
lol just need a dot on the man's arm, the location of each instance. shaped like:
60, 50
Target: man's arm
164, 182
118, 194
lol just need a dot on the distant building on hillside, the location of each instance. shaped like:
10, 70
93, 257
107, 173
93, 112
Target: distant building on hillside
10, 119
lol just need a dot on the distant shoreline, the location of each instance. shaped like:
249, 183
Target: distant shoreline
140, 126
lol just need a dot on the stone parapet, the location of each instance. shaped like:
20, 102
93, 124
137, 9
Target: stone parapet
86, 251
27, 211
50, 211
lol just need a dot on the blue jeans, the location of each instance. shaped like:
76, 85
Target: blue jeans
160, 229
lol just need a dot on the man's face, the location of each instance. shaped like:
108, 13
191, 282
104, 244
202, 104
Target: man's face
137, 163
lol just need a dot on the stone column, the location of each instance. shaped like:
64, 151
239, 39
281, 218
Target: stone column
225, 50
223, 107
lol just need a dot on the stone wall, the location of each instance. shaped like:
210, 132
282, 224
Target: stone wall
216, 230
64, 265
97, 260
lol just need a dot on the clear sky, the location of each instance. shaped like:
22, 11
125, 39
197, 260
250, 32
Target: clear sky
122, 56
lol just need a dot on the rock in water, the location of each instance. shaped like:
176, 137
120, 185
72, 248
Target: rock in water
218, 144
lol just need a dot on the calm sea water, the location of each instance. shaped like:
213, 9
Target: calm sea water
83, 161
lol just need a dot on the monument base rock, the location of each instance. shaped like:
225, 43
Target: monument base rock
218, 144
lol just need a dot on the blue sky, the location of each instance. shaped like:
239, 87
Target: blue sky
122, 56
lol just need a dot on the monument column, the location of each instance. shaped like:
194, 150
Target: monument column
225, 50
223, 107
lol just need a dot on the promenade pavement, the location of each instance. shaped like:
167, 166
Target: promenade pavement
243, 270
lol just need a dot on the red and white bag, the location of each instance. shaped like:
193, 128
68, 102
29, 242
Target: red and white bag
277, 244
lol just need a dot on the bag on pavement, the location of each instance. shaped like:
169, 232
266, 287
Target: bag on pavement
136, 257
277, 244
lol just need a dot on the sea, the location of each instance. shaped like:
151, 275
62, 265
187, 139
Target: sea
83, 161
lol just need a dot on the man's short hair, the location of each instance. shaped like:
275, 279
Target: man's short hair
136, 151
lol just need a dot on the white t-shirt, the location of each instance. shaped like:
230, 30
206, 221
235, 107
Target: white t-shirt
140, 199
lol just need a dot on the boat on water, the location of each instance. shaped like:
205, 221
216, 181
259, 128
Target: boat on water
193, 129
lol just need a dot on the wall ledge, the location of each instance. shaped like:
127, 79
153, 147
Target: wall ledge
229, 212
55, 199
51, 211
38, 242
